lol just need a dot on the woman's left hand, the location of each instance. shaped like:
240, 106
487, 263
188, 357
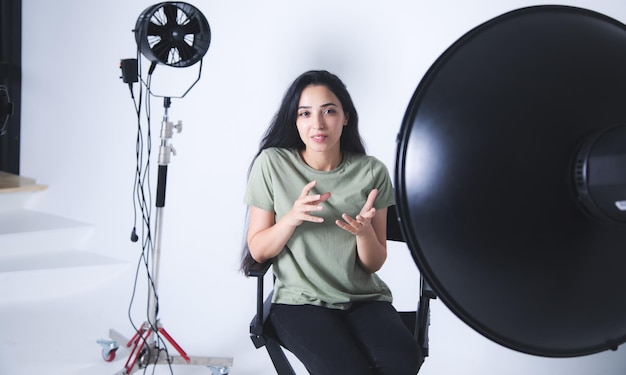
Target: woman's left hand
363, 221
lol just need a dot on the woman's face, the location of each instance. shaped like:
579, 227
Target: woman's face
320, 119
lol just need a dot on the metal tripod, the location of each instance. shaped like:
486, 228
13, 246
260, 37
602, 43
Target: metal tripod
144, 345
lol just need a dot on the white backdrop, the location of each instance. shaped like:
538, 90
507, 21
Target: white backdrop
78, 136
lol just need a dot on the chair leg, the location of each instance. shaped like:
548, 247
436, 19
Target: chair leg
279, 359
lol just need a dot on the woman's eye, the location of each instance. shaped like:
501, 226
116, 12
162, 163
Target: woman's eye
330, 111
303, 114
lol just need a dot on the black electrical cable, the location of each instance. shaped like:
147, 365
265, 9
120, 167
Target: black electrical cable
142, 202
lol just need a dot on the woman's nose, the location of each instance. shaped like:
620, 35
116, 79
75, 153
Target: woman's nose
318, 121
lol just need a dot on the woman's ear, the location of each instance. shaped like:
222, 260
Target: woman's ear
346, 118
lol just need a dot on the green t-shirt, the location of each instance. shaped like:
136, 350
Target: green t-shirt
319, 266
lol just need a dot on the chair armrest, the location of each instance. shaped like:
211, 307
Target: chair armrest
426, 290
423, 315
259, 269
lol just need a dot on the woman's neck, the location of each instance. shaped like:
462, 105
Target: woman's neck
322, 161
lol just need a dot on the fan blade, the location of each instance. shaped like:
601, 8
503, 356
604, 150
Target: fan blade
185, 51
171, 11
192, 27
154, 29
162, 49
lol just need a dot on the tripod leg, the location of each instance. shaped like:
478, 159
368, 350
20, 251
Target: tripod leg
174, 344
138, 345
135, 339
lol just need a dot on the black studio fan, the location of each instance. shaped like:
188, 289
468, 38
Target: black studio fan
176, 34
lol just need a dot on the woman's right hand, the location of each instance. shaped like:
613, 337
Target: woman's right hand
267, 238
305, 204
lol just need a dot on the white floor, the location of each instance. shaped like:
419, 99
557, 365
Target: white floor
57, 336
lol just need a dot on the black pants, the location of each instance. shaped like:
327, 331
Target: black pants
368, 338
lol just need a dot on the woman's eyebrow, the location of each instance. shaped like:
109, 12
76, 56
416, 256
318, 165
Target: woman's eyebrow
322, 106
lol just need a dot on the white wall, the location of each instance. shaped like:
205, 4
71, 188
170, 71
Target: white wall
78, 136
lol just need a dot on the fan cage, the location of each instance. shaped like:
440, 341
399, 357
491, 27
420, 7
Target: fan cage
176, 34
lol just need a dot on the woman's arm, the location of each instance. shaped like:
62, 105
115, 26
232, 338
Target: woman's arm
267, 237
371, 246
370, 229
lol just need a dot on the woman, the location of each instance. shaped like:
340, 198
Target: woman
318, 211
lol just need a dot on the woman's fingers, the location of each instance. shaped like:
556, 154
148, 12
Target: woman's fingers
371, 198
363, 220
307, 197
307, 203
307, 189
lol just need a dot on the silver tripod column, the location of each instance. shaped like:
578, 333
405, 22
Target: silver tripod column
165, 151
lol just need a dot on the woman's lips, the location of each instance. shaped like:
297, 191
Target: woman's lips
319, 137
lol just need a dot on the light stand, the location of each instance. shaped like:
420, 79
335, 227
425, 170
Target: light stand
174, 34
144, 344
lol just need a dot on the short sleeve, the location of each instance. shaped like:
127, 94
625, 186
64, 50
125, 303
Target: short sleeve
382, 182
259, 191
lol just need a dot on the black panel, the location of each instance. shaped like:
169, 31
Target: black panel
11, 77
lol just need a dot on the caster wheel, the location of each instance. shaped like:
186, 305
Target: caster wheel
108, 354
219, 370
109, 347
144, 358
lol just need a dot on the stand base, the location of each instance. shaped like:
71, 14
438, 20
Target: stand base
143, 355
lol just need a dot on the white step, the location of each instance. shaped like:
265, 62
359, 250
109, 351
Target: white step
31, 232
33, 275
15, 201
17, 191
41, 254
54, 274
53, 260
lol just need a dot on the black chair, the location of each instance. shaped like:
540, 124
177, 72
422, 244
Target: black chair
262, 332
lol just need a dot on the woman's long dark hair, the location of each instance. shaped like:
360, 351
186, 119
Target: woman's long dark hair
283, 132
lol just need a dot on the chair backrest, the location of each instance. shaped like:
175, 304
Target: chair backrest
394, 233
421, 320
